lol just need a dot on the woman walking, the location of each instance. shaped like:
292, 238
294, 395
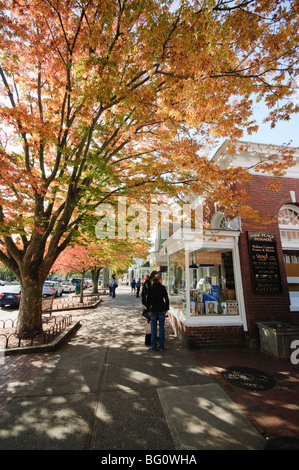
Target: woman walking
157, 303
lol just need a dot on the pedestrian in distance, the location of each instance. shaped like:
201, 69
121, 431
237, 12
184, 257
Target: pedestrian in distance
114, 285
133, 286
157, 303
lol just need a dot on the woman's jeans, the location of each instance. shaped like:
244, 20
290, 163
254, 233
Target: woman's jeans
155, 317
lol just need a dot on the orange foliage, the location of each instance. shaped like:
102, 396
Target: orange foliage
114, 254
107, 98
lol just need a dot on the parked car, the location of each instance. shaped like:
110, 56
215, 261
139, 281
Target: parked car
52, 288
2, 283
11, 296
88, 282
76, 280
67, 286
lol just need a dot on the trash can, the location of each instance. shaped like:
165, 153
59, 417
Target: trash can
78, 288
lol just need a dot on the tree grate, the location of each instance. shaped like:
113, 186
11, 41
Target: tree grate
250, 379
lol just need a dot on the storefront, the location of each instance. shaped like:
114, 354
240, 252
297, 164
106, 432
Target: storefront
205, 288
223, 283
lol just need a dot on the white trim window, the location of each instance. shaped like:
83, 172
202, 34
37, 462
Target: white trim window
204, 279
288, 220
218, 221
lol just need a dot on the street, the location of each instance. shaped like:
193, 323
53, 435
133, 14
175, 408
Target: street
12, 312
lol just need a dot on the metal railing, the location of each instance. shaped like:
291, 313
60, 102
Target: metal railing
3, 323
74, 301
56, 326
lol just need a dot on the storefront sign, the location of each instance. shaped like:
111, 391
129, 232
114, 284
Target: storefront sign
264, 262
207, 258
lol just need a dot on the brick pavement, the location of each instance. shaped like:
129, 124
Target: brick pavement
103, 389
15, 371
273, 412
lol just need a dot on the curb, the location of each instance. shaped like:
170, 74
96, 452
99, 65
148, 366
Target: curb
42, 348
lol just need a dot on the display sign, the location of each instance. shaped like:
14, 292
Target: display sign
264, 262
207, 258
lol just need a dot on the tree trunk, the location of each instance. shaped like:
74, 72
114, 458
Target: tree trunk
95, 274
32, 262
82, 285
30, 311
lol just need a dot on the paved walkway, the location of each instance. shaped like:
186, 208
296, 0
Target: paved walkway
104, 390
274, 412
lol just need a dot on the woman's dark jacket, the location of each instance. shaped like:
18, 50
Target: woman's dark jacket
144, 291
157, 299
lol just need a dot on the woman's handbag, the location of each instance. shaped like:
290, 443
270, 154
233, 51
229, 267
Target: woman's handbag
145, 313
148, 333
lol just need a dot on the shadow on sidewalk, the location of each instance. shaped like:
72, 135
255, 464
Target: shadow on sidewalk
105, 390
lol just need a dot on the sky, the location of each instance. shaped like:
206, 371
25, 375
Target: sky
282, 133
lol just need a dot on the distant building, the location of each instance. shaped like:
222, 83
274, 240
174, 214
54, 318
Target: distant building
139, 270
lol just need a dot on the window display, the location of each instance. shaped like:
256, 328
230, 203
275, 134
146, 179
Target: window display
212, 285
177, 281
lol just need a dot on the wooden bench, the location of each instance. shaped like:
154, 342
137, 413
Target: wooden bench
47, 305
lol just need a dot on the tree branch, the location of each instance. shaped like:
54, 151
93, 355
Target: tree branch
23, 134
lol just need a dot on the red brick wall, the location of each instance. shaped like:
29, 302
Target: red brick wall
206, 337
274, 306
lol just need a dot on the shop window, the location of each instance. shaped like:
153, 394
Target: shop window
177, 281
212, 283
288, 219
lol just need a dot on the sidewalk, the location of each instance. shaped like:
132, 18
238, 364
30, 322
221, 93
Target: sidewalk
104, 390
274, 412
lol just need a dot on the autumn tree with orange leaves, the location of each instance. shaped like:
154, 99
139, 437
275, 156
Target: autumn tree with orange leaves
78, 258
123, 97
117, 255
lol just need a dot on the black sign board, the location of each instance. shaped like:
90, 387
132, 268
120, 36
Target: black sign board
264, 262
